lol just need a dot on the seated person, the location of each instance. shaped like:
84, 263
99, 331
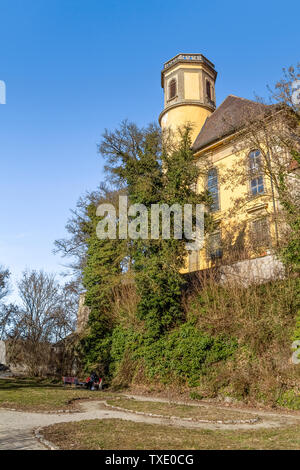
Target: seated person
93, 378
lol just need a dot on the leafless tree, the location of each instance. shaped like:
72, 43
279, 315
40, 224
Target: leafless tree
79, 228
46, 315
4, 277
5, 311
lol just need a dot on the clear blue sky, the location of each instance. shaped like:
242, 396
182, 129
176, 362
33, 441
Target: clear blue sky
74, 67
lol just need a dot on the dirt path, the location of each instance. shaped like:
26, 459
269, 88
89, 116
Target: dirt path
17, 427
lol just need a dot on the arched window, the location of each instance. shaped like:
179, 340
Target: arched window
256, 177
208, 90
260, 233
172, 88
213, 188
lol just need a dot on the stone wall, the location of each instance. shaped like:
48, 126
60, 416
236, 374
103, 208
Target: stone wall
2, 353
82, 314
253, 271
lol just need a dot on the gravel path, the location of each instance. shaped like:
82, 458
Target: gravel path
17, 427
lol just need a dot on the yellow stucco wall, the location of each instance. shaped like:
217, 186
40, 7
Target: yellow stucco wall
194, 114
222, 155
191, 86
231, 190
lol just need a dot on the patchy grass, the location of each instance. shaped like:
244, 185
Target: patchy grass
41, 395
119, 435
197, 412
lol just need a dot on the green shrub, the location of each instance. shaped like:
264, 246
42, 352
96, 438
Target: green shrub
196, 396
184, 354
290, 399
297, 328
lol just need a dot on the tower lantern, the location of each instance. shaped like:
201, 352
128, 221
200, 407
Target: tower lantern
188, 81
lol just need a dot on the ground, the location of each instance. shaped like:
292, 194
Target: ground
105, 420
31, 394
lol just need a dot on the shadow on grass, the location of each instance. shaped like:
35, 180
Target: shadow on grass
7, 384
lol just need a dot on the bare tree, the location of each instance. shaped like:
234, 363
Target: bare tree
4, 277
45, 315
5, 311
74, 247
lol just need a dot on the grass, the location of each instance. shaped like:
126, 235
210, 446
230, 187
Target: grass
40, 395
182, 411
119, 435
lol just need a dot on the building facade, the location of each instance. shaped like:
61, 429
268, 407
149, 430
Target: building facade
243, 205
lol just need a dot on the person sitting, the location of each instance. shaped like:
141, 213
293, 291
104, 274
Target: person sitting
91, 380
94, 377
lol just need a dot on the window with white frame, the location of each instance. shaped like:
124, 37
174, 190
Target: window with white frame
256, 177
213, 188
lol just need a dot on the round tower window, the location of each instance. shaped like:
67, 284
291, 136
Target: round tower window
172, 88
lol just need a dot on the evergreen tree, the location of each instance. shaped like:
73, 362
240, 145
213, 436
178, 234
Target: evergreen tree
155, 173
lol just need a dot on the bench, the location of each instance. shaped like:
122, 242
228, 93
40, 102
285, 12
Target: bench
74, 381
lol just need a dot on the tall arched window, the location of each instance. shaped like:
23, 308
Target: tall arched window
172, 88
260, 233
213, 188
208, 90
256, 177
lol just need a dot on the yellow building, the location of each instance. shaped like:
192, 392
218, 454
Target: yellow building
244, 204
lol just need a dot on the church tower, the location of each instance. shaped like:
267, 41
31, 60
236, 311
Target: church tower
188, 81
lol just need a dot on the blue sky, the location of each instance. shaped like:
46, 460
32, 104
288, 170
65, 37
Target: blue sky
74, 67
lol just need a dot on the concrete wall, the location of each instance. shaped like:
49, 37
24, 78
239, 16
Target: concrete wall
253, 271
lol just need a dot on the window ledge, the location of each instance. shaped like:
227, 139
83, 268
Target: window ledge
172, 99
257, 207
